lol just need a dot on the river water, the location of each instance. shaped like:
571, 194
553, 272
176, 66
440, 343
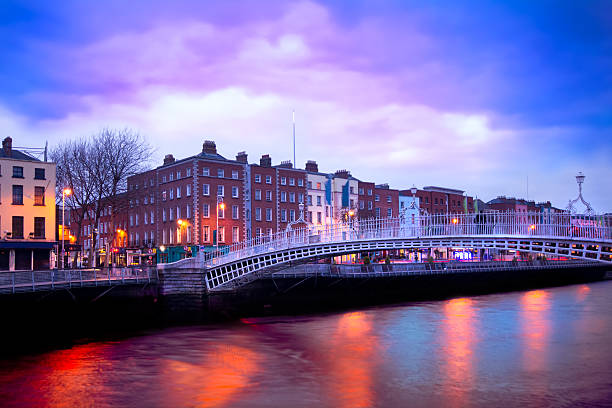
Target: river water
547, 347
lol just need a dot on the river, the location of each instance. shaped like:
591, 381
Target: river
545, 347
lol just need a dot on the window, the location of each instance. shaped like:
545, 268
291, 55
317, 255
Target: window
283, 197
377, 198
146, 219
361, 205
352, 189
235, 234
319, 217
171, 176
369, 191
152, 220
188, 171
206, 233
361, 191
292, 181
318, 186
283, 215
171, 193
39, 196
164, 218
268, 195
17, 172
221, 234
309, 200
377, 211
152, 199
205, 210
39, 227
178, 174
206, 171
301, 182
188, 211
258, 178
268, 179
283, 181
268, 214
178, 192
426, 200
220, 212
235, 212
220, 173
163, 195
258, 195
436, 200
292, 197
319, 201
163, 179
205, 189
389, 213
220, 191
310, 184
151, 182
39, 174
17, 227
146, 200
257, 214
301, 198
292, 215
18, 195
178, 214
257, 232
370, 205
171, 214
235, 192
388, 199
235, 174
188, 190
136, 219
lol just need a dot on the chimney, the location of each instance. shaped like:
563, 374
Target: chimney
265, 161
286, 164
342, 174
209, 147
7, 146
312, 166
169, 159
241, 157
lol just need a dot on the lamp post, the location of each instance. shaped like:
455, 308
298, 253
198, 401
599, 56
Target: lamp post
220, 205
65, 192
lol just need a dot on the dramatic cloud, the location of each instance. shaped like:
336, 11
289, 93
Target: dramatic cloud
383, 93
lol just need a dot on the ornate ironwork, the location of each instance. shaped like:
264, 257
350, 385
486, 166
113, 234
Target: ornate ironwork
570, 206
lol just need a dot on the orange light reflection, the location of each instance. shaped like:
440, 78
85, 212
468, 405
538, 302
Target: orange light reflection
458, 353
536, 327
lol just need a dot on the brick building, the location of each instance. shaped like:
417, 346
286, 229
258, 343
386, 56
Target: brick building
386, 201
441, 200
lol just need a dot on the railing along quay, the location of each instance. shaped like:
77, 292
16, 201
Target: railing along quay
33, 281
520, 225
402, 269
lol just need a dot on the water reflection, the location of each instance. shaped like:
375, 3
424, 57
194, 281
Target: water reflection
536, 328
582, 293
214, 380
354, 352
459, 336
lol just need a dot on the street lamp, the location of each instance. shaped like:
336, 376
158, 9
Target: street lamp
65, 192
220, 205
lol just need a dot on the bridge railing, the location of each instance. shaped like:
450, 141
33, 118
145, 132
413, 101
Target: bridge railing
38, 280
512, 224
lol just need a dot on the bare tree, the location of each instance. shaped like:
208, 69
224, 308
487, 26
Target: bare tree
96, 169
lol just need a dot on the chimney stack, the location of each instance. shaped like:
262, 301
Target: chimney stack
265, 161
286, 164
345, 174
241, 157
169, 159
209, 147
312, 166
7, 146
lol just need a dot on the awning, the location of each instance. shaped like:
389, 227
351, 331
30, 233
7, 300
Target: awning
27, 244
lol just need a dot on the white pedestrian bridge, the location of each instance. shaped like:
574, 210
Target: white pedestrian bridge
564, 235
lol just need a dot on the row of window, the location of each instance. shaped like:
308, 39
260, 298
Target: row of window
17, 228
39, 174
39, 195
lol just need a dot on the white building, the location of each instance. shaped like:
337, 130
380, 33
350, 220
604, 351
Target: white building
408, 210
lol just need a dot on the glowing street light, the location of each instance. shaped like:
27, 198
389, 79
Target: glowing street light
455, 221
65, 192
220, 205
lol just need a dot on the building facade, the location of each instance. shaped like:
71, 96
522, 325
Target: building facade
27, 210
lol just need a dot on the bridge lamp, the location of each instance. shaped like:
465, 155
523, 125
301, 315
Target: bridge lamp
65, 192
455, 221
532, 227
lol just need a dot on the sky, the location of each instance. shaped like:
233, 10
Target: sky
494, 98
